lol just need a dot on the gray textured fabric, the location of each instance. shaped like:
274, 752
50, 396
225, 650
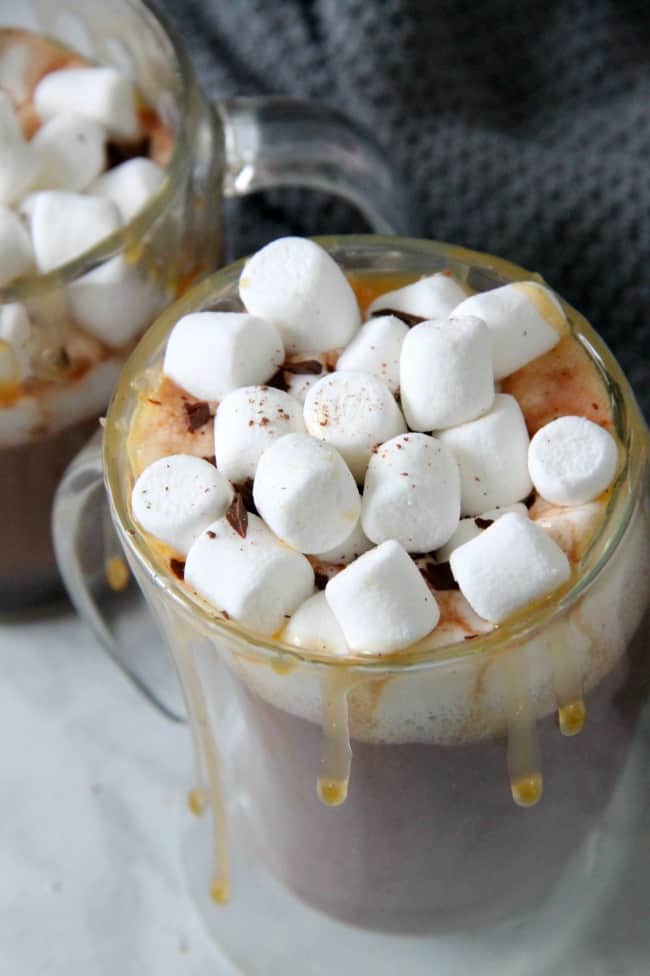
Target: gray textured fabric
522, 128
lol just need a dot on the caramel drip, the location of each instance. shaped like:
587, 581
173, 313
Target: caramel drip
522, 751
336, 754
567, 682
115, 565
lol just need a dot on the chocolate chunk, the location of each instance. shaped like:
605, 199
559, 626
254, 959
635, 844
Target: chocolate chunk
278, 381
529, 500
197, 415
177, 567
439, 576
321, 580
238, 516
118, 152
245, 489
483, 523
404, 317
306, 366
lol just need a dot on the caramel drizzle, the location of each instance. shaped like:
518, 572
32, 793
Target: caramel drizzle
522, 750
336, 752
567, 681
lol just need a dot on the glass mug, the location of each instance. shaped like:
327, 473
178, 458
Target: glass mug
232, 147
428, 838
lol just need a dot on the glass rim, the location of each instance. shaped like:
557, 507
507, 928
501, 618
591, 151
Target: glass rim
518, 628
133, 231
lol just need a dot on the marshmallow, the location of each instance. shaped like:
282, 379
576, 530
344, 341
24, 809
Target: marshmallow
572, 460
211, 353
305, 492
376, 349
492, 456
16, 256
18, 162
102, 93
314, 627
507, 566
381, 602
71, 152
468, 529
15, 333
177, 497
65, 225
248, 421
115, 302
525, 320
257, 580
354, 412
299, 384
433, 297
294, 283
355, 545
130, 185
446, 373
411, 493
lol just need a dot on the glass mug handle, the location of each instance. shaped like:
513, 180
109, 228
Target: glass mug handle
268, 142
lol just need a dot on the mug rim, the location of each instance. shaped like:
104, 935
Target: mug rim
131, 233
520, 627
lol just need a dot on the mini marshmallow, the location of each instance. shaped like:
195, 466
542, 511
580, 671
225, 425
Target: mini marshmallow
492, 456
376, 349
294, 283
115, 302
572, 460
71, 153
15, 331
257, 579
525, 320
433, 297
211, 353
446, 373
18, 162
299, 384
16, 255
314, 627
411, 493
507, 566
354, 412
65, 225
129, 185
305, 492
248, 421
103, 94
468, 529
381, 602
355, 545
177, 497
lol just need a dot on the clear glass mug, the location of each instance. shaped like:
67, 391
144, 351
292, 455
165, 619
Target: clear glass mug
436, 745
229, 148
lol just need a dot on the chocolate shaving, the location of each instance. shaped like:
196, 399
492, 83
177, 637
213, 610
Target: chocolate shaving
225, 615
306, 366
278, 381
321, 580
197, 415
238, 516
177, 567
245, 489
529, 500
210, 534
210, 458
483, 523
439, 575
118, 152
404, 317
156, 403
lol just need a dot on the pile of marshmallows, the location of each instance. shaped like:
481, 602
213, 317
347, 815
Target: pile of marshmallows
308, 460
56, 201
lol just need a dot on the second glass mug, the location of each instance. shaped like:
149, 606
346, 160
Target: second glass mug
428, 838
232, 147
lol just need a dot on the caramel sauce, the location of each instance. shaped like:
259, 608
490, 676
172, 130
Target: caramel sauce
117, 573
336, 753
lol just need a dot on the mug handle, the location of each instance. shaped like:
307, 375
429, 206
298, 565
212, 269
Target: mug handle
268, 141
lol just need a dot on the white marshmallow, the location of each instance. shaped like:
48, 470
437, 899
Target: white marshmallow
355, 545
354, 412
299, 384
468, 529
433, 297
102, 93
492, 456
177, 497
376, 349
411, 493
257, 580
71, 152
248, 421
572, 460
294, 283
65, 225
381, 602
507, 566
115, 302
314, 627
525, 320
16, 255
305, 492
211, 353
18, 162
446, 373
130, 185
15, 332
